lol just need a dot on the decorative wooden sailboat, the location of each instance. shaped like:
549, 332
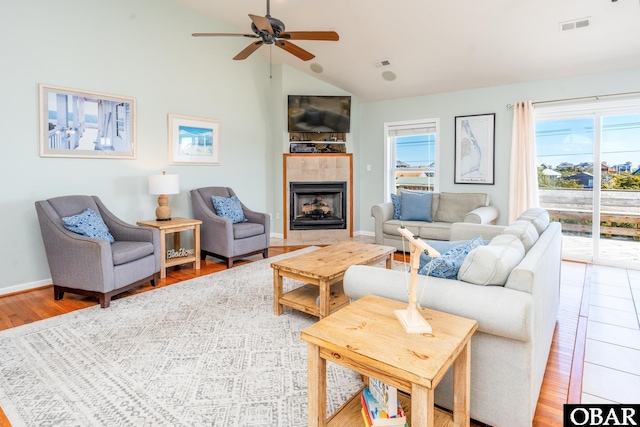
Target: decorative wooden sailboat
411, 319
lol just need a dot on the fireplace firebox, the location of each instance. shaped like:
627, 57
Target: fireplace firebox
318, 205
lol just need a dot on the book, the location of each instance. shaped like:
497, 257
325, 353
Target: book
365, 418
386, 395
377, 416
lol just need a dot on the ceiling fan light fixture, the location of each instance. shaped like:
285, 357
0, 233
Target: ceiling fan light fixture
316, 68
389, 76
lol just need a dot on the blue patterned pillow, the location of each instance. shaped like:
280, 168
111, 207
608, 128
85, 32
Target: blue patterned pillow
88, 223
448, 265
229, 207
397, 205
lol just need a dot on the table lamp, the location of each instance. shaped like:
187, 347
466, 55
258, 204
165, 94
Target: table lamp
162, 185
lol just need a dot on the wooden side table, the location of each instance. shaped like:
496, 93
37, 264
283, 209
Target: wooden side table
175, 226
366, 337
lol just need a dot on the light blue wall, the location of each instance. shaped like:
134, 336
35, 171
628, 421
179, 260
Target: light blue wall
144, 49
137, 48
446, 107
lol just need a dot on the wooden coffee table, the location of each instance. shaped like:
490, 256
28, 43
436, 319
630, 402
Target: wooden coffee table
321, 269
367, 338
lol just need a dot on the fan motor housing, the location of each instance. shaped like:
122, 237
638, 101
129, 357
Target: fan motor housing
277, 26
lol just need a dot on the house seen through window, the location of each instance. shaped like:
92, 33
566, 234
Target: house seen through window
411, 156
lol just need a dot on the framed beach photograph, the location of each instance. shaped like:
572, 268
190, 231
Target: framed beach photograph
474, 149
77, 123
193, 141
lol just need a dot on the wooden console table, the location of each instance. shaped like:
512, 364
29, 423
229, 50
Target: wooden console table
366, 337
175, 226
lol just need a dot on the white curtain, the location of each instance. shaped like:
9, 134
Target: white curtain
523, 182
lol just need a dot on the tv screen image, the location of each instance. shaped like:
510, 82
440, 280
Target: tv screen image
319, 114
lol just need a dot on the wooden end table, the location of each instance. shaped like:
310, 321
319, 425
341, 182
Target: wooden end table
321, 269
175, 226
366, 337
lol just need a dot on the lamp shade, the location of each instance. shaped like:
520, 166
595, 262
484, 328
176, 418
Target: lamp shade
164, 184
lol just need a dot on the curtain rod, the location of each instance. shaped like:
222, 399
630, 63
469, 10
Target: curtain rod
581, 97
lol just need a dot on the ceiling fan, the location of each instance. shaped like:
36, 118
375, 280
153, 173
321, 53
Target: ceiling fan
270, 31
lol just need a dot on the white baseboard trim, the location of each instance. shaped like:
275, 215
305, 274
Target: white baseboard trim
25, 286
277, 235
365, 233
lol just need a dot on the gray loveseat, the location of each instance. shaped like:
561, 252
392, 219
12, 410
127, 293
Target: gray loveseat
446, 209
516, 320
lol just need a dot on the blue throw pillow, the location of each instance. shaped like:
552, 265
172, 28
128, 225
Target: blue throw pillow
448, 265
416, 206
88, 223
397, 205
229, 207
443, 246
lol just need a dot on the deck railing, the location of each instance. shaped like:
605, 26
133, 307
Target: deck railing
619, 216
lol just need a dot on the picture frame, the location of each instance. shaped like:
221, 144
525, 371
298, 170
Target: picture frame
83, 124
475, 149
193, 140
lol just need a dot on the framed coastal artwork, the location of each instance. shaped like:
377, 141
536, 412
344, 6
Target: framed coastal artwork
475, 149
79, 123
193, 141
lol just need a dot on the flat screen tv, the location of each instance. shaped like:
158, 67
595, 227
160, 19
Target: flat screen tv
319, 114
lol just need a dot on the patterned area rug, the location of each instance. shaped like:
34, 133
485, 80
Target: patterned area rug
205, 352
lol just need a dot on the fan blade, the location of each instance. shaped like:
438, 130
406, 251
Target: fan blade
223, 35
330, 36
295, 50
261, 23
248, 50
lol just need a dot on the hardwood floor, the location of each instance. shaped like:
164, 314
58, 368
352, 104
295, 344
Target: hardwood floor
562, 380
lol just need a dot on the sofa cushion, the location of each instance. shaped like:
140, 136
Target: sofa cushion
538, 217
416, 206
523, 230
492, 264
397, 205
453, 207
126, 251
88, 223
448, 264
229, 207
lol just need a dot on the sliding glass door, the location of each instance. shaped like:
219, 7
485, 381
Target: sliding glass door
589, 179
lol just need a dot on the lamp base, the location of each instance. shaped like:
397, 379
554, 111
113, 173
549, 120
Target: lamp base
413, 322
163, 211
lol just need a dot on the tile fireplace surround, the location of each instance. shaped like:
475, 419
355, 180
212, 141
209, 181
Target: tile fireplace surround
329, 167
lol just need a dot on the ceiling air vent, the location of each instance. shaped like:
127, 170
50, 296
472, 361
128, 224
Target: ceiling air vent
575, 24
382, 63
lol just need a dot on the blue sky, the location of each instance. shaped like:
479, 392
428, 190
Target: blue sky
571, 140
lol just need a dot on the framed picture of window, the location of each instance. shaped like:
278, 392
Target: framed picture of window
475, 149
77, 123
193, 141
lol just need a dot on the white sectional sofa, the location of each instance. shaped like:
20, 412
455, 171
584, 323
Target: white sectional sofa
511, 287
446, 209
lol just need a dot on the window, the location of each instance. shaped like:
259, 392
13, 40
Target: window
410, 154
588, 158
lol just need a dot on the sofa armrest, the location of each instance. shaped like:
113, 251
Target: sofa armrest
482, 215
381, 212
499, 311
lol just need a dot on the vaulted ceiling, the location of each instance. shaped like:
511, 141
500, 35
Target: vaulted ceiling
435, 47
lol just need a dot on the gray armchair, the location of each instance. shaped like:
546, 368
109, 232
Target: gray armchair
92, 266
219, 237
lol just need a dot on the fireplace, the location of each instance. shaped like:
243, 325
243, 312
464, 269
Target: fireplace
318, 205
